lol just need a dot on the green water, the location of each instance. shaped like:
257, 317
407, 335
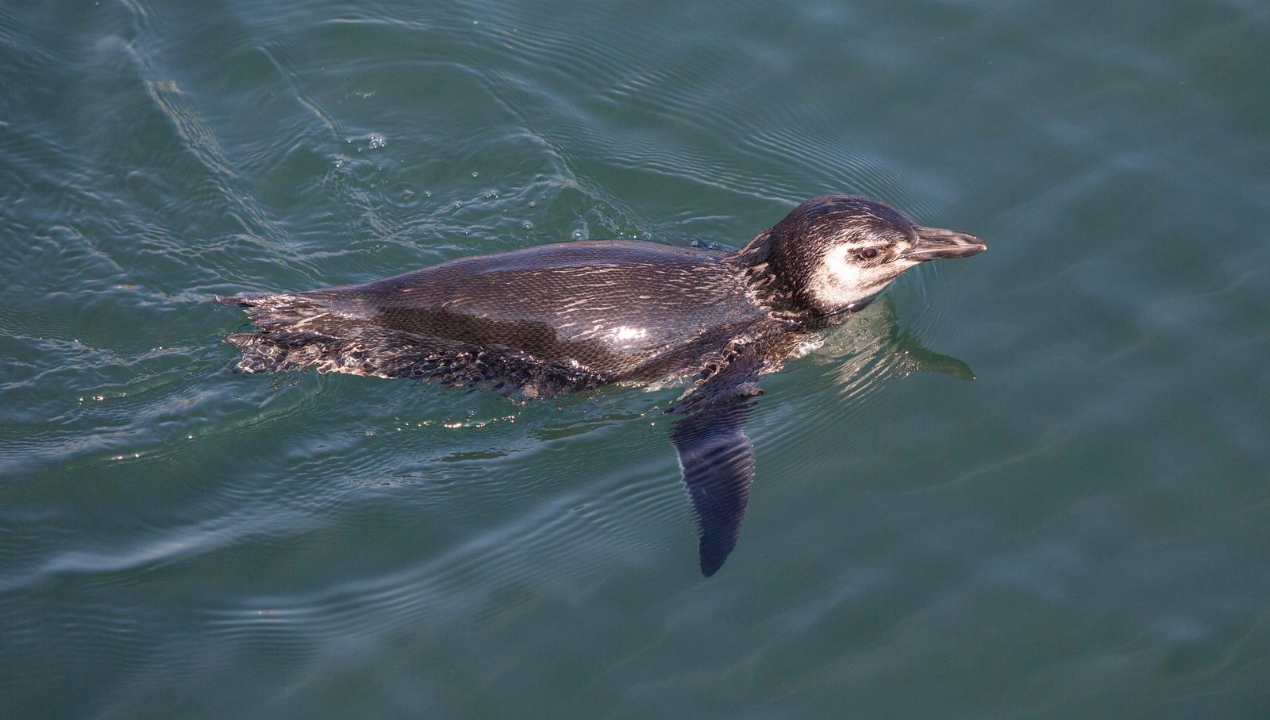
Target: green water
1081, 532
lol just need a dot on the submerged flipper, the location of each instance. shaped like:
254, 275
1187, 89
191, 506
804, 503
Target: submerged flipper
716, 455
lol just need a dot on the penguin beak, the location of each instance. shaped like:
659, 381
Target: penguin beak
940, 244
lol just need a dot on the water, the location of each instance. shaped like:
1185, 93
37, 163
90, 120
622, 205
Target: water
1080, 532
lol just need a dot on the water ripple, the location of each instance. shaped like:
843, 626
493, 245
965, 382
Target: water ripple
166, 524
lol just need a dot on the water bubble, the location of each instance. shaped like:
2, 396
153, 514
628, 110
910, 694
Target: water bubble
377, 141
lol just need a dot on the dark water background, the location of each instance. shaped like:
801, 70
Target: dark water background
1082, 532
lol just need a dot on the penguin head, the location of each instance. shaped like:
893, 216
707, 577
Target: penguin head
836, 253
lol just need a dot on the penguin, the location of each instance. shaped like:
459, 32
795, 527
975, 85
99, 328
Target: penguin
576, 316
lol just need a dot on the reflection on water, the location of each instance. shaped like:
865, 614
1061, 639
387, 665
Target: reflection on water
873, 347
717, 456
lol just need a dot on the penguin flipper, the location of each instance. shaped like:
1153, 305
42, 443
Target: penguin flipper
717, 457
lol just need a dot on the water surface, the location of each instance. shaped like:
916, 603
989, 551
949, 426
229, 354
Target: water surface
1080, 532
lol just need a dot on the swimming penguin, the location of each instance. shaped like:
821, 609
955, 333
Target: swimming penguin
574, 316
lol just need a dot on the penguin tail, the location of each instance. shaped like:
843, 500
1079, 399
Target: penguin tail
296, 331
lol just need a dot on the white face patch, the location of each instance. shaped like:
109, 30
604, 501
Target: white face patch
843, 280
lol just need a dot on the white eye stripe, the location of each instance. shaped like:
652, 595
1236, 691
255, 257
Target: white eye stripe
843, 280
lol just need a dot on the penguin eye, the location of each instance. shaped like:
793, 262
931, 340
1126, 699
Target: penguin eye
867, 254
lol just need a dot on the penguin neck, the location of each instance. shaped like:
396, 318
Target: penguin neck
779, 286
772, 284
